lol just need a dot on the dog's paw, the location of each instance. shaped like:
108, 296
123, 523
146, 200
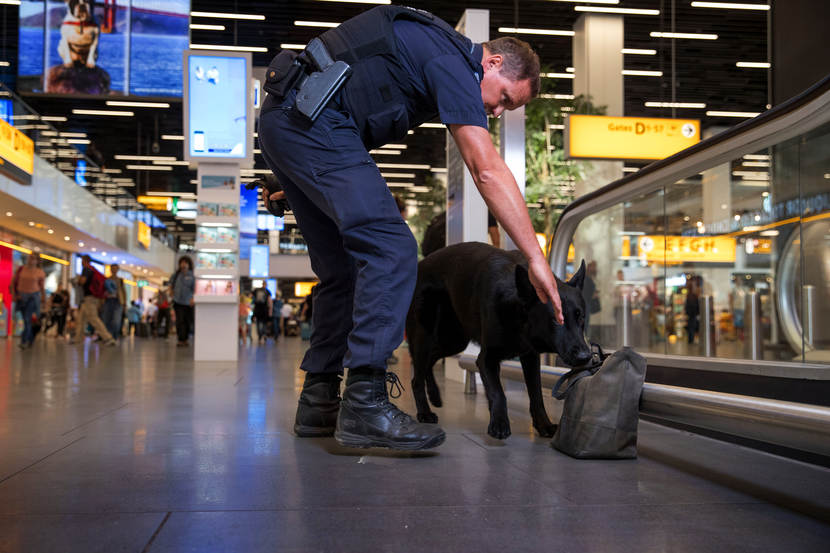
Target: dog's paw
499, 428
546, 430
431, 418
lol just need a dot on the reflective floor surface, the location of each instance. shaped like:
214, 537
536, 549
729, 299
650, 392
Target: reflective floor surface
138, 448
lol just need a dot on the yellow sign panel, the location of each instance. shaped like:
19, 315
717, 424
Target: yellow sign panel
17, 153
302, 289
144, 235
686, 249
640, 138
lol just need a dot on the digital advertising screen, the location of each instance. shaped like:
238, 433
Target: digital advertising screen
111, 47
258, 267
217, 106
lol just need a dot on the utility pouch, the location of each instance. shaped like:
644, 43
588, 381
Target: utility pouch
283, 73
329, 75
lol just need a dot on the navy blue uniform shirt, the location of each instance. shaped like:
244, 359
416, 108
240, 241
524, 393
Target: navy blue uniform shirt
443, 82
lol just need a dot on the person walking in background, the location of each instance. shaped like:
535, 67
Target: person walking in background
287, 312
692, 309
133, 317
113, 312
182, 288
28, 292
150, 315
163, 315
58, 303
244, 312
276, 314
262, 311
93, 290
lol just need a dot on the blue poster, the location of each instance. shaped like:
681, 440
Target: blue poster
247, 220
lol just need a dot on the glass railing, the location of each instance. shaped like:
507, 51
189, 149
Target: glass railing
722, 251
65, 151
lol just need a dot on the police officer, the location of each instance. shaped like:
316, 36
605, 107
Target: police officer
407, 67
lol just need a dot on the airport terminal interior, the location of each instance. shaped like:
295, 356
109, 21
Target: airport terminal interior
154, 311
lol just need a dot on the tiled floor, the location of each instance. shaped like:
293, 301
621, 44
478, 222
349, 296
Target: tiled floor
138, 448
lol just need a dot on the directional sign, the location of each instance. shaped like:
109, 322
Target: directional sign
632, 138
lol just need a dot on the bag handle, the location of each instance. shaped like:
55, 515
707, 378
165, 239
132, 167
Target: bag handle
575, 375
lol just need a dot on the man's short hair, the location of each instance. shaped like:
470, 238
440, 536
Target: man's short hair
520, 61
86, 258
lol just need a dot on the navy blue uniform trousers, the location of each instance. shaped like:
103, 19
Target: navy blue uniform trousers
360, 247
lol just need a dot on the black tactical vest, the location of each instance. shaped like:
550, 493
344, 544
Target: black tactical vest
375, 93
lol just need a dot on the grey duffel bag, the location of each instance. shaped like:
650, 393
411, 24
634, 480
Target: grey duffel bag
601, 411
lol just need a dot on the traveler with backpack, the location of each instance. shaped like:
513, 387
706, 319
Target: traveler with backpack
93, 290
182, 287
28, 292
113, 312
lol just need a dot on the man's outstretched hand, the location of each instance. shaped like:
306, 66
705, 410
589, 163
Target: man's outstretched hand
543, 281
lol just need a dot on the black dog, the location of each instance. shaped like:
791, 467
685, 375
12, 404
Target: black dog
475, 292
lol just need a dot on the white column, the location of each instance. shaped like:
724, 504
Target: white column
512, 149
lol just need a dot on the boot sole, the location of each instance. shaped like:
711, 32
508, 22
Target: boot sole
347, 439
303, 431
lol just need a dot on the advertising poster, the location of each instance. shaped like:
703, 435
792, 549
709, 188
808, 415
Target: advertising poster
116, 47
258, 267
220, 182
247, 221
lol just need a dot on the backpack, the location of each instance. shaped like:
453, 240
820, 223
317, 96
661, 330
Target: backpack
97, 285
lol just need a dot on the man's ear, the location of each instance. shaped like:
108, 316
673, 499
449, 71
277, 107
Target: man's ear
527, 293
578, 280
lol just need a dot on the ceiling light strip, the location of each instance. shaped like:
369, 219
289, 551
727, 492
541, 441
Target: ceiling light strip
731, 6
327, 24
626, 11
693, 36
122, 103
221, 15
204, 27
529, 31
687, 105
639, 73
639, 51
754, 64
150, 167
113, 113
403, 166
222, 47
747, 114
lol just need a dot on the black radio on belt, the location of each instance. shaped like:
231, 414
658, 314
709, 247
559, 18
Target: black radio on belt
277, 208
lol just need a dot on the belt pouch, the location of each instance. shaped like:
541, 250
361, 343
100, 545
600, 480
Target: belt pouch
283, 73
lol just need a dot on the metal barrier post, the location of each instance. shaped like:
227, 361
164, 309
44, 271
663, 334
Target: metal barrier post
753, 337
808, 314
625, 324
708, 326
470, 382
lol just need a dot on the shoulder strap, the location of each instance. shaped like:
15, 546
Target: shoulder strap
575, 375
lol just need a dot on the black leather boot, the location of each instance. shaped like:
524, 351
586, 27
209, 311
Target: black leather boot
318, 405
368, 419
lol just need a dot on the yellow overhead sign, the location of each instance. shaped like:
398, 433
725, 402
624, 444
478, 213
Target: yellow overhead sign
17, 154
144, 234
686, 249
634, 138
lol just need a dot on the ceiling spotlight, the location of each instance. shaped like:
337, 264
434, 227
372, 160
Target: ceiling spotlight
50, 231
95, 249
80, 244
9, 214
66, 238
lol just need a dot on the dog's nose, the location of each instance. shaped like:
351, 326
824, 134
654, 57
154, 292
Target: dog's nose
582, 357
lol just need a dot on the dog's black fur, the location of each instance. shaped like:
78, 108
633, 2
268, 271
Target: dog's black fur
475, 292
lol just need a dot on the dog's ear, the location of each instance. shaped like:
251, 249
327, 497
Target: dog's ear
526, 291
578, 280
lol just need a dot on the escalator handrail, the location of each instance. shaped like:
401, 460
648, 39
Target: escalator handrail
819, 89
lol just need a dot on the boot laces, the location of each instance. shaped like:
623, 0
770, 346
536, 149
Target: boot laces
394, 385
395, 391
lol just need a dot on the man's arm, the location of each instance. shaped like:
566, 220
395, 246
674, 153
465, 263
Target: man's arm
501, 193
